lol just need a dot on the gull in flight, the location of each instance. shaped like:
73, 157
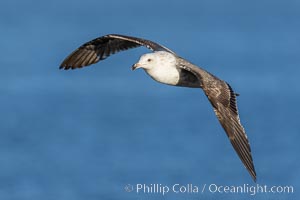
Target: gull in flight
165, 66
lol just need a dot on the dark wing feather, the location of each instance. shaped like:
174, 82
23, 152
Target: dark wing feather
223, 100
102, 47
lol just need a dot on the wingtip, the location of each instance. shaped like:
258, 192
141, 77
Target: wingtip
253, 175
63, 67
254, 178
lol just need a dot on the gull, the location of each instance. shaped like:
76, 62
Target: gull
165, 66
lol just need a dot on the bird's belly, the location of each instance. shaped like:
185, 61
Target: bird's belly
168, 76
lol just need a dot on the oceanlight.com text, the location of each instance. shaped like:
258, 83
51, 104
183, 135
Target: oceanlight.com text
163, 189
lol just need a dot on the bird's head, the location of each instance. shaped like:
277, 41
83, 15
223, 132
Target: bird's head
147, 62
151, 60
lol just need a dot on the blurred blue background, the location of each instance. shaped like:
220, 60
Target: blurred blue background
85, 134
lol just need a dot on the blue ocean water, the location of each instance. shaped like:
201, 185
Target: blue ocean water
87, 134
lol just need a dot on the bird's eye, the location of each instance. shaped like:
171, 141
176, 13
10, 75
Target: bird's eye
149, 60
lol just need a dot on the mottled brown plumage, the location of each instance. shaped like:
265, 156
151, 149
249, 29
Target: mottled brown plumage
219, 93
102, 47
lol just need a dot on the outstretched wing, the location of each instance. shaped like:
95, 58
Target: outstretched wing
102, 47
223, 100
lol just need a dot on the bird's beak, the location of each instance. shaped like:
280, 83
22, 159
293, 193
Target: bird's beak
136, 66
